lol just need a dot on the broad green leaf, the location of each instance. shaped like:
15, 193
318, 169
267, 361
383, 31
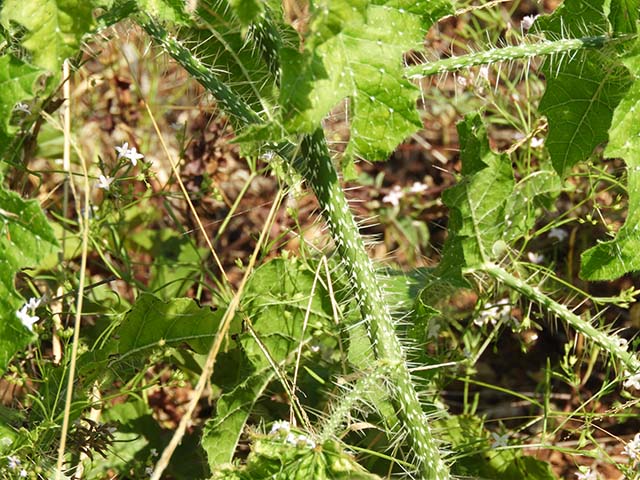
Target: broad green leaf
153, 323
358, 54
18, 82
276, 300
25, 239
167, 10
612, 259
582, 91
477, 203
54, 27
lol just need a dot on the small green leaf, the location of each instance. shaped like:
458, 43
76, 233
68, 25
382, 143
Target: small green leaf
54, 28
25, 239
153, 323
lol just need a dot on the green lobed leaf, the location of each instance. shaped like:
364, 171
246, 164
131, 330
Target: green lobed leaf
153, 323
582, 91
18, 83
358, 53
612, 259
54, 27
25, 239
476, 203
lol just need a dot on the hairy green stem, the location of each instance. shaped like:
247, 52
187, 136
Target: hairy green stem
321, 174
609, 343
314, 163
514, 52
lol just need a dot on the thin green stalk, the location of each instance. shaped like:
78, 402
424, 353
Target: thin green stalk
515, 52
609, 343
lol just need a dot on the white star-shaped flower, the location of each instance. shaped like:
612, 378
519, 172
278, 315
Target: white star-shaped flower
632, 381
528, 21
418, 187
632, 449
586, 474
133, 155
280, 426
14, 462
27, 319
499, 440
394, 196
104, 182
122, 150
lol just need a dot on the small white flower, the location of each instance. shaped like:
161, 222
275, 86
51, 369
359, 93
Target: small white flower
632, 381
536, 142
33, 303
300, 440
14, 462
418, 187
24, 473
148, 471
528, 21
558, 233
632, 449
586, 474
280, 426
499, 440
536, 258
22, 107
104, 182
492, 313
122, 150
462, 81
133, 155
622, 343
268, 156
394, 196
153, 452
315, 348
27, 319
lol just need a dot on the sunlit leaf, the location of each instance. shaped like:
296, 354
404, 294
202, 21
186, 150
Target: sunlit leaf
54, 27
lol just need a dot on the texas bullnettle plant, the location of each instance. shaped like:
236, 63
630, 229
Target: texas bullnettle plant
278, 85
